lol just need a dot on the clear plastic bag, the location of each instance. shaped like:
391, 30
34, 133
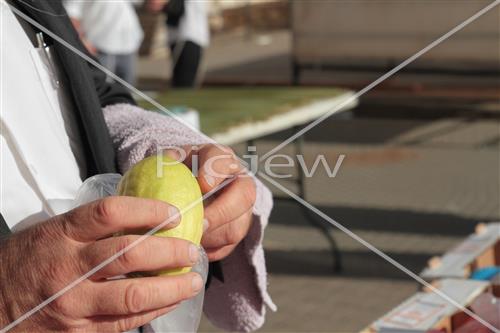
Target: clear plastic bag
97, 187
186, 317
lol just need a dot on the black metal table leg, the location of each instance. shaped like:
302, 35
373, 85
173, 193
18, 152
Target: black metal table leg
309, 216
320, 225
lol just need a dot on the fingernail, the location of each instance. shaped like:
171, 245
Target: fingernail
174, 215
210, 180
193, 253
205, 225
197, 283
174, 154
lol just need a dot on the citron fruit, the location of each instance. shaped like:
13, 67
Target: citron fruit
163, 178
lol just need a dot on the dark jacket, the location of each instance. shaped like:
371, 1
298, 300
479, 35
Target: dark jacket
89, 90
87, 84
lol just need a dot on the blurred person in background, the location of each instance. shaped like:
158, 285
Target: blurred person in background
188, 35
111, 31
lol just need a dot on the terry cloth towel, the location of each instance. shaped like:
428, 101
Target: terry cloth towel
239, 303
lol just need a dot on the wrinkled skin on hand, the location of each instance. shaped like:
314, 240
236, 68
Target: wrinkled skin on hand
38, 262
228, 212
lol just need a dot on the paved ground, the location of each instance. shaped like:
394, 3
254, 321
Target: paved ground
413, 188
420, 171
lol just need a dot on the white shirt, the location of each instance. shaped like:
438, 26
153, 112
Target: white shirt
193, 25
39, 172
111, 26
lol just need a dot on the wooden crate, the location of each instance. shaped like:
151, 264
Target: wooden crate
479, 250
426, 310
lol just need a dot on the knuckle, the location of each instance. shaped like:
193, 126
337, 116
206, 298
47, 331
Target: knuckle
159, 210
180, 289
217, 255
240, 233
175, 250
230, 237
181, 252
68, 220
127, 324
58, 271
135, 298
213, 256
62, 305
53, 270
233, 234
87, 260
128, 259
72, 215
106, 210
221, 214
250, 193
49, 231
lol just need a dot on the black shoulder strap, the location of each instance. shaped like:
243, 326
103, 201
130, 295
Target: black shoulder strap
86, 84
4, 228
90, 91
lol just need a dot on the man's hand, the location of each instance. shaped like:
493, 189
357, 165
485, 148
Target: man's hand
40, 261
229, 211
